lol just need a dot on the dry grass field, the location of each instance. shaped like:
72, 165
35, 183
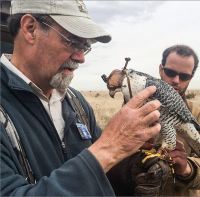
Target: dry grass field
105, 107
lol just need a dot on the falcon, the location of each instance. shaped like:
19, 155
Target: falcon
175, 116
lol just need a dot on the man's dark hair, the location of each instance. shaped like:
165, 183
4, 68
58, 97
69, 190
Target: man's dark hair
14, 22
181, 50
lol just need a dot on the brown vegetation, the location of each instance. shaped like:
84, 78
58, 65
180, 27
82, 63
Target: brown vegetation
105, 107
194, 95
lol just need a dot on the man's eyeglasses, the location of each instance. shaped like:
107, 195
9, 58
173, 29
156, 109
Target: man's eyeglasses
172, 73
74, 43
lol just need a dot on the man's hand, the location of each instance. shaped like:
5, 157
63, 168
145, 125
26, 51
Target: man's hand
153, 178
179, 157
128, 130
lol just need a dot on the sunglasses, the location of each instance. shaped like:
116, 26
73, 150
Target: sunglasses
172, 73
75, 43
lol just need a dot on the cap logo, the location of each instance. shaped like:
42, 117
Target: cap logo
82, 6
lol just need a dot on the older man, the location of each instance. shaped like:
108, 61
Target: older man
49, 146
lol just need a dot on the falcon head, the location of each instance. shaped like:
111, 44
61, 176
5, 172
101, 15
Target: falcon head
114, 81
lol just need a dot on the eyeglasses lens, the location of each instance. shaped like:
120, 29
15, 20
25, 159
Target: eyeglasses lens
75, 42
172, 73
80, 45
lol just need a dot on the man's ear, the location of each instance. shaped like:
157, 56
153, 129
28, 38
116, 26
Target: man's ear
160, 69
28, 27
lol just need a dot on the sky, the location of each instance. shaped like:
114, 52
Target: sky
140, 30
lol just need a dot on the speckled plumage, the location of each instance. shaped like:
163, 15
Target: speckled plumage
170, 99
175, 116
174, 113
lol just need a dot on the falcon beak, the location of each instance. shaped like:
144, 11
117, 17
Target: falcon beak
112, 93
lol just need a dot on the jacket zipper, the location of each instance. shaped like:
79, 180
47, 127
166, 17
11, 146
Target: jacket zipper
59, 144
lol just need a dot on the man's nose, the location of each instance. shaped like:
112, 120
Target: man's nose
78, 56
176, 79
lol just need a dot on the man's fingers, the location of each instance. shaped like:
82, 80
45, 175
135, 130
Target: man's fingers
152, 117
150, 107
153, 130
178, 154
138, 100
180, 146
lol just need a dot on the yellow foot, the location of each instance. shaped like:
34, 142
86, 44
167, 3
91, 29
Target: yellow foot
151, 154
161, 154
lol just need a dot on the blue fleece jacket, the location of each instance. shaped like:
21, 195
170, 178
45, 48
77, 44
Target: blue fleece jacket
69, 170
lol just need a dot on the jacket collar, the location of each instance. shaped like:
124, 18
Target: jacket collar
12, 80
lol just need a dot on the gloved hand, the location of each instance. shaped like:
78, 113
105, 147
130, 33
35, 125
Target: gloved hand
151, 176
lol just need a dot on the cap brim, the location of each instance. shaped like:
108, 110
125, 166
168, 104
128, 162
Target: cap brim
83, 27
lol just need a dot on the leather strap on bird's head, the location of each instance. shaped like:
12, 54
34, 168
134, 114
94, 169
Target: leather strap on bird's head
115, 79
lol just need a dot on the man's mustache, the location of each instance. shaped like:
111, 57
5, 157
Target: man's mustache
70, 64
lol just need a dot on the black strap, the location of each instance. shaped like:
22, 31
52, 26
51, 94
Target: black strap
17, 145
78, 108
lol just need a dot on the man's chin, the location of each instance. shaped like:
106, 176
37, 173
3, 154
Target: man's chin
181, 92
176, 88
61, 81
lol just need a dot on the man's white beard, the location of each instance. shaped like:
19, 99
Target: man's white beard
61, 81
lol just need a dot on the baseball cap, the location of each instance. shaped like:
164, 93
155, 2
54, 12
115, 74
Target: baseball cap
72, 15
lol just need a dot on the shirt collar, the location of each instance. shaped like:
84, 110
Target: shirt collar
5, 59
